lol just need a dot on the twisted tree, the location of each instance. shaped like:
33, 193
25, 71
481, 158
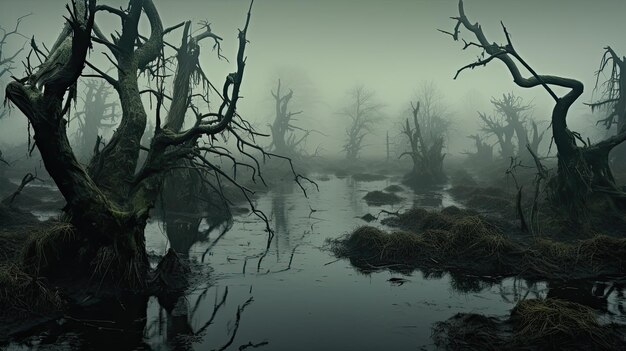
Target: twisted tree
285, 140
362, 114
583, 172
427, 154
611, 99
108, 203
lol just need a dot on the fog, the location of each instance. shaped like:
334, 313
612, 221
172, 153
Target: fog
321, 49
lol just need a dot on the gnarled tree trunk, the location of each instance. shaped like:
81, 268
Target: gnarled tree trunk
108, 204
583, 171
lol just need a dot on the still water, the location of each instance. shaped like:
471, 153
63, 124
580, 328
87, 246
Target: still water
295, 295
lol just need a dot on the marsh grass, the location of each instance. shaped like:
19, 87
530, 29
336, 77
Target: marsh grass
381, 198
22, 293
534, 324
456, 239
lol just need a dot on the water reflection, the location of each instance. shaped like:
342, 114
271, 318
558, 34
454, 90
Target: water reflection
299, 297
428, 199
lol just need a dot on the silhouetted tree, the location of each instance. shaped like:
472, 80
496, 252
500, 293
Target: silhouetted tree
427, 154
285, 140
583, 171
109, 203
362, 114
7, 62
511, 121
497, 126
515, 113
97, 114
611, 99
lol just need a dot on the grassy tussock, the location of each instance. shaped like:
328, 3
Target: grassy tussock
599, 255
534, 324
382, 198
555, 322
467, 237
459, 239
22, 293
46, 246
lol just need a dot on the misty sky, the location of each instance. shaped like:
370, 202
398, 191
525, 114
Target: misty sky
326, 47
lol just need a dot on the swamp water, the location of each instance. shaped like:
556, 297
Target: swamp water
299, 297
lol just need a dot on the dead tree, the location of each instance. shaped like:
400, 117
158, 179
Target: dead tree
98, 114
7, 63
496, 125
516, 114
433, 114
285, 140
536, 139
362, 115
511, 121
427, 155
29, 177
611, 99
513, 109
109, 202
583, 171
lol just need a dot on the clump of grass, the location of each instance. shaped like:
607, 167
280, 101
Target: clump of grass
461, 239
419, 219
381, 198
468, 239
46, 246
22, 293
371, 242
472, 235
535, 324
599, 255
554, 321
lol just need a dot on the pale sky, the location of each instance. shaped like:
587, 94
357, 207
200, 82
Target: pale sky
325, 47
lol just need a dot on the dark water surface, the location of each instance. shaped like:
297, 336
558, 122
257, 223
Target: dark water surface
300, 297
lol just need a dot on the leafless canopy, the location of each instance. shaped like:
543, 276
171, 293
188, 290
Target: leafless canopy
362, 114
583, 170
